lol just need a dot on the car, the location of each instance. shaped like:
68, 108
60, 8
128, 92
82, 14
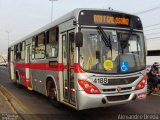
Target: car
3, 64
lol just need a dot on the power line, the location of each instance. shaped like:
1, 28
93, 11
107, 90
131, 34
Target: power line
153, 38
151, 25
149, 10
153, 33
152, 29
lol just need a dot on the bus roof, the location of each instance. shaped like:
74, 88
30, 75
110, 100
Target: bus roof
73, 14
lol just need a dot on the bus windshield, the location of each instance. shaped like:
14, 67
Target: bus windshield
125, 53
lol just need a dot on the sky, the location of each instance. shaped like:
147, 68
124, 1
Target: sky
18, 18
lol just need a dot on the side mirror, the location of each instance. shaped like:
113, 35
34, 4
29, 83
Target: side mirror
79, 39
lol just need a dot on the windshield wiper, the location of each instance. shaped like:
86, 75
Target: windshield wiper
106, 39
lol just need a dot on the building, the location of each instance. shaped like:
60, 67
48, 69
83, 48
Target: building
153, 49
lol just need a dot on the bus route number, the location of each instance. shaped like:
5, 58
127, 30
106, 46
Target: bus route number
101, 80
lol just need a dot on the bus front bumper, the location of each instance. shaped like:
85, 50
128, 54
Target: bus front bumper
87, 101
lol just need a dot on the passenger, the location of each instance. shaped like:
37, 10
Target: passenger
154, 75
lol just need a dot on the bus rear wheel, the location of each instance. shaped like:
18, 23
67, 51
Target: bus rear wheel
52, 93
18, 80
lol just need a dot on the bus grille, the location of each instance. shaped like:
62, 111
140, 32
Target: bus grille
114, 89
120, 81
118, 98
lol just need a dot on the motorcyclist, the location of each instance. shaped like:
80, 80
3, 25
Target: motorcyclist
154, 74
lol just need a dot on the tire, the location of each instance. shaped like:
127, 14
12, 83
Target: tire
52, 93
17, 81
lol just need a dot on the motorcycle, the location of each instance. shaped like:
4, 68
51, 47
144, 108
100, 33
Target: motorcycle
151, 86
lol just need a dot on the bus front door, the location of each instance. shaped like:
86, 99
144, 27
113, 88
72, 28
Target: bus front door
68, 67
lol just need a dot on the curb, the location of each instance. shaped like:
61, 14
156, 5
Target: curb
8, 103
17, 106
12, 111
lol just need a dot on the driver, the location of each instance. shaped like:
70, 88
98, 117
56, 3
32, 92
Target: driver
154, 74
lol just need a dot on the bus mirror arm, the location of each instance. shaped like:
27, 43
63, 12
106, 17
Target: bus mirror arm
79, 39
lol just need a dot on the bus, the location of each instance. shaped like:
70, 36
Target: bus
88, 58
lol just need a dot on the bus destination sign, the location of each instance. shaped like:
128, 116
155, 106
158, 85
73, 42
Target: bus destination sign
103, 19
109, 19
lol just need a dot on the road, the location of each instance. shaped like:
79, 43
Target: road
40, 106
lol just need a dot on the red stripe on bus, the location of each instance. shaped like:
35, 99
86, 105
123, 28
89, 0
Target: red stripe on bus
77, 68
22, 65
25, 80
28, 82
39, 66
45, 66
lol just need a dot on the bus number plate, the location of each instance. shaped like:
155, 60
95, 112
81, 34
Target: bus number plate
100, 80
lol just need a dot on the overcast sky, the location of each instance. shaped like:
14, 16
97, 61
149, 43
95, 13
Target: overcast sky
21, 17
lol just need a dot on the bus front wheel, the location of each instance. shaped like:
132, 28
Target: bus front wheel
52, 93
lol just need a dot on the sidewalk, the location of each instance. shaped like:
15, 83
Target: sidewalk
6, 110
5, 106
12, 108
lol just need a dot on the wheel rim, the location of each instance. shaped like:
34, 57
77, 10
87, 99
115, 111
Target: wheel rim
52, 93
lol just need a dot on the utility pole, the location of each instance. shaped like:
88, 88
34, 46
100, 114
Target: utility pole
52, 9
8, 33
8, 36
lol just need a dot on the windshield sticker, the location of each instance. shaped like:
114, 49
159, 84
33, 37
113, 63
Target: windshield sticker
124, 66
108, 65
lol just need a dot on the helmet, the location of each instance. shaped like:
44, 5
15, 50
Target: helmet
156, 65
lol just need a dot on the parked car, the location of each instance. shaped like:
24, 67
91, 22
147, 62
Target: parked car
3, 64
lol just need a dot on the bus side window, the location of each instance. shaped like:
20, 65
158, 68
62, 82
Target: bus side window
22, 50
33, 47
17, 52
52, 43
9, 56
40, 47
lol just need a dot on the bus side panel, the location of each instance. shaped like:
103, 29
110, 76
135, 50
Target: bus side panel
38, 79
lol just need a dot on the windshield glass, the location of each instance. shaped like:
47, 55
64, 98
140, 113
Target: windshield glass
124, 54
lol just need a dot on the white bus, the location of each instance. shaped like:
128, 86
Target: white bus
88, 58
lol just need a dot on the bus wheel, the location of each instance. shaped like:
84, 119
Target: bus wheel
17, 81
52, 93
